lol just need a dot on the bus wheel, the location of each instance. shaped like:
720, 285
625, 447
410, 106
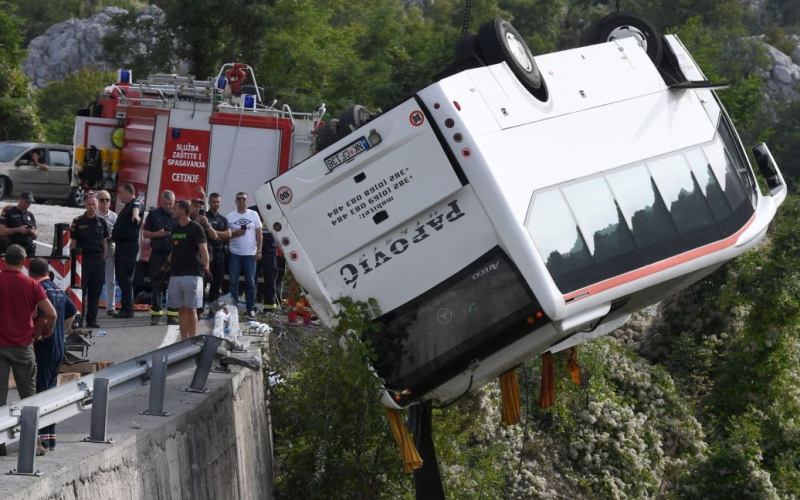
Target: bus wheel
354, 117
468, 46
618, 25
326, 135
500, 42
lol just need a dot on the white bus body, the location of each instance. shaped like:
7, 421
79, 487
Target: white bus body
492, 227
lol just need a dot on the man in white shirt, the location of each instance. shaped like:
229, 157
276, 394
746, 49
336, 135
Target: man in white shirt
245, 250
104, 211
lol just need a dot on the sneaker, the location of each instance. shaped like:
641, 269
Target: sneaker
110, 312
250, 315
315, 320
155, 320
172, 320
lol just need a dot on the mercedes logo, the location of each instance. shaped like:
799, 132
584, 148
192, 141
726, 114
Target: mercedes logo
444, 316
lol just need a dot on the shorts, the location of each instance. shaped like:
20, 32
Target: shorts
185, 291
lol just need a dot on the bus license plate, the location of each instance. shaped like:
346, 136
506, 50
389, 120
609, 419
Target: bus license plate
347, 153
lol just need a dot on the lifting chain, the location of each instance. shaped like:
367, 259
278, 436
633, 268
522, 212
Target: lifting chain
467, 14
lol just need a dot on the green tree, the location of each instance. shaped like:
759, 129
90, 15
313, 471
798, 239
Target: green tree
18, 113
58, 101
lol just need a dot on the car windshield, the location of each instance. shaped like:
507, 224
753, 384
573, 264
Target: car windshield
10, 151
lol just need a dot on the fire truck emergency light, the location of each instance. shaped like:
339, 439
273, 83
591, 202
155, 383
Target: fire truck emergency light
249, 101
125, 76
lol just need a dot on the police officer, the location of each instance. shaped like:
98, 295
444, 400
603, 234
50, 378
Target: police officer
126, 239
158, 229
218, 232
268, 291
89, 232
18, 225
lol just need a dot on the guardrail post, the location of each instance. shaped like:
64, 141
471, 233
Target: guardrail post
204, 365
99, 422
158, 386
27, 443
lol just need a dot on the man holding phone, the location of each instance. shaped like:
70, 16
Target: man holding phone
18, 224
245, 250
158, 228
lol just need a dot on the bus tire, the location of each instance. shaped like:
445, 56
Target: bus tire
619, 25
500, 42
326, 135
468, 46
356, 116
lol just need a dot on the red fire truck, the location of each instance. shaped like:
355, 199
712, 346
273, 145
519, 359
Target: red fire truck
178, 133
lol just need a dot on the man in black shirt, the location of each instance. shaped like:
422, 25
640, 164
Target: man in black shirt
157, 227
188, 264
217, 247
268, 267
126, 239
18, 225
89, 232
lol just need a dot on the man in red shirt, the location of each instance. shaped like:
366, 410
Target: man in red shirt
20, 297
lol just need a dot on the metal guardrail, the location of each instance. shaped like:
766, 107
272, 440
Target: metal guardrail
21, 421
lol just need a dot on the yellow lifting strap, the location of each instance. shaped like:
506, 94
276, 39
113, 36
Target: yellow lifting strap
573, 367
547, 395
411, 459
509, 391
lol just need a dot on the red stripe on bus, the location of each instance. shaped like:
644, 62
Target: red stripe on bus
658, 266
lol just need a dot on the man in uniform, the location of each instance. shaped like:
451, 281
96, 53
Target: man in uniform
126, 240
217, 247
198, 214
20, 297
108, 215
157, 228
50, 350
268, 266
89, 232
19, 225
189, 262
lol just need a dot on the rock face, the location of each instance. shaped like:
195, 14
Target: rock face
782, 77
68, 46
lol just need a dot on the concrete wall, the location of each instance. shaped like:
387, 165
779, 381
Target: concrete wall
214, 446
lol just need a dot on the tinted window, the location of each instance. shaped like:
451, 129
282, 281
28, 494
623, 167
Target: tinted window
9, 151
736, 158
616, 222
473, 314
59, 158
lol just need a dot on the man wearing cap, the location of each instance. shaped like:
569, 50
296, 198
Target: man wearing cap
158, 227
245, 247
21, 296
50, 351
19, 225
126, 240
199, 215
89, 232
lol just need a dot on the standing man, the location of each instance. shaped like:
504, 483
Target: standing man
20, 297
19, 225
188, 264
245, 248
198, 214
89, 232
108, 215
126, 240
50, 351
157, 228
218, 247
269, 268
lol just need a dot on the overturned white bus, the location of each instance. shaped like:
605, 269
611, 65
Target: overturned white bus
521, 205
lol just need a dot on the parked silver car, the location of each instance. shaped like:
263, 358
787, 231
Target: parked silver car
19, 173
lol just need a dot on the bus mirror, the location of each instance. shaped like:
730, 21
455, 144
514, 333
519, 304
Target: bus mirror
767, 166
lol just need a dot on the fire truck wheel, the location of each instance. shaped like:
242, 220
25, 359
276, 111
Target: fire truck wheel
326, 135
356, 116
467, 47
77, 198
619, 25
501, 42
5, 188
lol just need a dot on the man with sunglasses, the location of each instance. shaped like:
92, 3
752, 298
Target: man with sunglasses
245, 250
108, 215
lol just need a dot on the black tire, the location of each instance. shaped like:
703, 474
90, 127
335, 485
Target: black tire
77, 198
356, 116
500, 42
468, 46
623, 25
326, 135
5, 187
